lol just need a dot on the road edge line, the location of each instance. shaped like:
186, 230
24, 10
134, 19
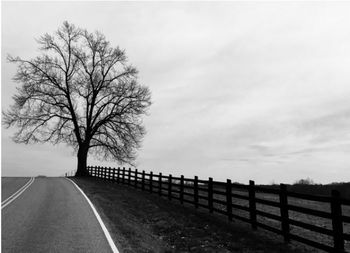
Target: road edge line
17, 193
103, 226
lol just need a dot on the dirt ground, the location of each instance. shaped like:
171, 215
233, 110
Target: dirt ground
143, 222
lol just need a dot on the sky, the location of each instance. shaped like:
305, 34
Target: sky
240, 90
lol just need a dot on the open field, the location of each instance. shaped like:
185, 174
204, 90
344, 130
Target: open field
293, 215
310, 219
320, 221
143, 222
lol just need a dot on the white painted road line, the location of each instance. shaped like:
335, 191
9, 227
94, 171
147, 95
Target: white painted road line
16, 191
105, 231
16, 194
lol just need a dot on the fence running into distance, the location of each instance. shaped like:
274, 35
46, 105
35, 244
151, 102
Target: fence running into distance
277, 213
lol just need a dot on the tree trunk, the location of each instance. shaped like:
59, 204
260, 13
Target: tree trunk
82, 162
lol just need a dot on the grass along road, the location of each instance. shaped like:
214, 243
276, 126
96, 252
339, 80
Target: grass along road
143, 222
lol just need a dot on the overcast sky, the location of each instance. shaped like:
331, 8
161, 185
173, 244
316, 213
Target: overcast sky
240, 90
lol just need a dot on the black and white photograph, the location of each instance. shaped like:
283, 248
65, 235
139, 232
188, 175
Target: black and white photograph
175, 126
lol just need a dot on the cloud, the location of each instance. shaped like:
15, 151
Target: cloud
244, 90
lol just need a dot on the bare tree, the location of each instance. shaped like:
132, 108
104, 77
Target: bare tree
79, 91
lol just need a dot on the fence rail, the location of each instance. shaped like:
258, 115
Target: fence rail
237, 201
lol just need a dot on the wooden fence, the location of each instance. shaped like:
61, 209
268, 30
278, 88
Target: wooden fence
277, 213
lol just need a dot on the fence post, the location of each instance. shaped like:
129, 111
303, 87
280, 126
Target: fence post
150, 182
143, 180
118, 175
229, 199
252, 204
284, 212
160, 184
123, 179
337, 224
113, 178
210, 195
136, 177
169, 186
195, 191
129, 177
182, 189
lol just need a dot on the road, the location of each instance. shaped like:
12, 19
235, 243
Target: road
51, 215
9, 185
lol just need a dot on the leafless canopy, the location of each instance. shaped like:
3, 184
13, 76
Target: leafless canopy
79, 91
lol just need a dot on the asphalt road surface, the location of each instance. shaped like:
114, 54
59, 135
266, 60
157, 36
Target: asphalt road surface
51, 215
9, 185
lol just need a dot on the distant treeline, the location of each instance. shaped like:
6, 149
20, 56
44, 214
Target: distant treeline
318, 189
